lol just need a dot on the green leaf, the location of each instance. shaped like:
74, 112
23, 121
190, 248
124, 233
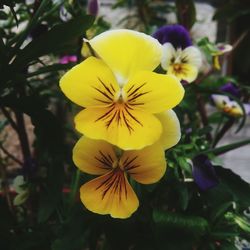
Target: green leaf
58, 39
239, 220
237, 187
193, 224
227, 148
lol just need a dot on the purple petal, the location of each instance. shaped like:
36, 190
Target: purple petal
203, 173
231, 89
93, 7
175, 34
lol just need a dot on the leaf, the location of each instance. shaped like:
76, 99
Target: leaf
237, 187
194, 224
227, 148
57, 39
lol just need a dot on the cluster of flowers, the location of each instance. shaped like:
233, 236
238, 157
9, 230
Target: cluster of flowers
127, 121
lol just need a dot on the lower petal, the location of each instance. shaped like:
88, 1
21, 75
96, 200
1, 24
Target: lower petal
110, 194
133, 130
187, 72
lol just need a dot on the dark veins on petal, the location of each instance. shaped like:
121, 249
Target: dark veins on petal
121, 112
105, 160
114, 184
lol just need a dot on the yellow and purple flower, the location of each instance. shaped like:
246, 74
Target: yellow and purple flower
180, 58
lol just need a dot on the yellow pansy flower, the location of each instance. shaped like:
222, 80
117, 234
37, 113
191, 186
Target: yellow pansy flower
119, 92
111, 193
182, 63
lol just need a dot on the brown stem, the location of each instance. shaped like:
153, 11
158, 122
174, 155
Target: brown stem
10, 155
9, 118
5, 186
23, 138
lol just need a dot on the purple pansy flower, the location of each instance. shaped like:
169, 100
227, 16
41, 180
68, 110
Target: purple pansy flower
204, 173
175, 34
93, 7
231, 89
68, 59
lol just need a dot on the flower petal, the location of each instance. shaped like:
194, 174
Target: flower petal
110, 194
183, 71
171, 133
191, 55
204, 173
90, 83
127, 129
153, 92
147, 165
94, 156
220, 100
127, 51
169, 55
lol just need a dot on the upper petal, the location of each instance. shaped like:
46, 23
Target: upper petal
153, 92
126, 52
94, 156
171, 132
90, 83
125, 128
147, 165
110, 194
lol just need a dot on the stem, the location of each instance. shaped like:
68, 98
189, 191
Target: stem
75, 186
23, 138
222, 132
9, 118
5, 186
203, 113
10, 155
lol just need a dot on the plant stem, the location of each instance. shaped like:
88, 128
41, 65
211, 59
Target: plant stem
222, 132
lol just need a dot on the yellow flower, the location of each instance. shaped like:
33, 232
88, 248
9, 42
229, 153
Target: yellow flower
119, 92
184, 64
111, 193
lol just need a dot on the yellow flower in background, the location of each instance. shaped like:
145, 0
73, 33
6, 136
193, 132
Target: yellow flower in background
111, 193
182, 63
119, 92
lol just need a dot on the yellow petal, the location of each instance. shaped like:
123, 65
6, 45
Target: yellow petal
127, 51
125, 128
110, 194
171, 133
94, 156
147, 165
153, 92
90, 83
183, 71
